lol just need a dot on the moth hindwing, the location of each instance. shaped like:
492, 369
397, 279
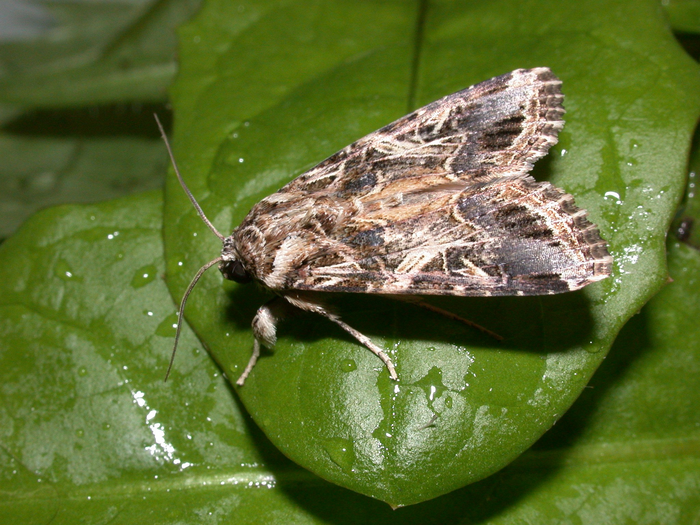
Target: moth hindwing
439, 202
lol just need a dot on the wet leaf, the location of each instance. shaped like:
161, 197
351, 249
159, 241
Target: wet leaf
90, 433
249, 118
88, 429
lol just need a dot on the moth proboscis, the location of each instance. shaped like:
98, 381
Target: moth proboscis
439, 202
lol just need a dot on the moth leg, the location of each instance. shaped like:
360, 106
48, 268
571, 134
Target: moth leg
265, 332
305, 302
251, 363
376, 350
419, 302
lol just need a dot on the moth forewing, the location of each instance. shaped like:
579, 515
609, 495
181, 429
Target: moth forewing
439, 202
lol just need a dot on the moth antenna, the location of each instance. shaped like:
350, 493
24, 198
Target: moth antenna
182, 182
181, 311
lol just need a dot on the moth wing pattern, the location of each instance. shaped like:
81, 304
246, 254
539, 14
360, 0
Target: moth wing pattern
501, 126
437, 203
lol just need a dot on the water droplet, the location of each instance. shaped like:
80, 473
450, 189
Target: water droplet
63, 271
613, 196
348, 365
143, 276
79, 433
167, 326
106, 426
341, 452
592, 347
82, 371
432, 385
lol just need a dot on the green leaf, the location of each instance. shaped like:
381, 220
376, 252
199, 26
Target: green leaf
72, 156
78, 442
67, 53
683, 15
626, 452
250, 117
88, 428
89, 432
684, 226
58, 54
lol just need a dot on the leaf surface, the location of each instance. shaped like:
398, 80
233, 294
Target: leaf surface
250, 118
88, 431
57, 54
72, 156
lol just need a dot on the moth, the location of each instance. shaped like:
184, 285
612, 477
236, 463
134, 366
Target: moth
439, 202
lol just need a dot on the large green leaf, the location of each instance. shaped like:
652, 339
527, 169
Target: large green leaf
89, 433
267, 89
88, 427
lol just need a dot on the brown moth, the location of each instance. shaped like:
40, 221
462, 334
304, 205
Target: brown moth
437, 203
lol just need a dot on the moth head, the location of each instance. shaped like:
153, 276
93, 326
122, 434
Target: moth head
234, 271
230, 267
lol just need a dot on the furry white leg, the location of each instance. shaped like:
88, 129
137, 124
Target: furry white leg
265, 332
265, 326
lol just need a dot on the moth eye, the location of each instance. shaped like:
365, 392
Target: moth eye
234, 271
